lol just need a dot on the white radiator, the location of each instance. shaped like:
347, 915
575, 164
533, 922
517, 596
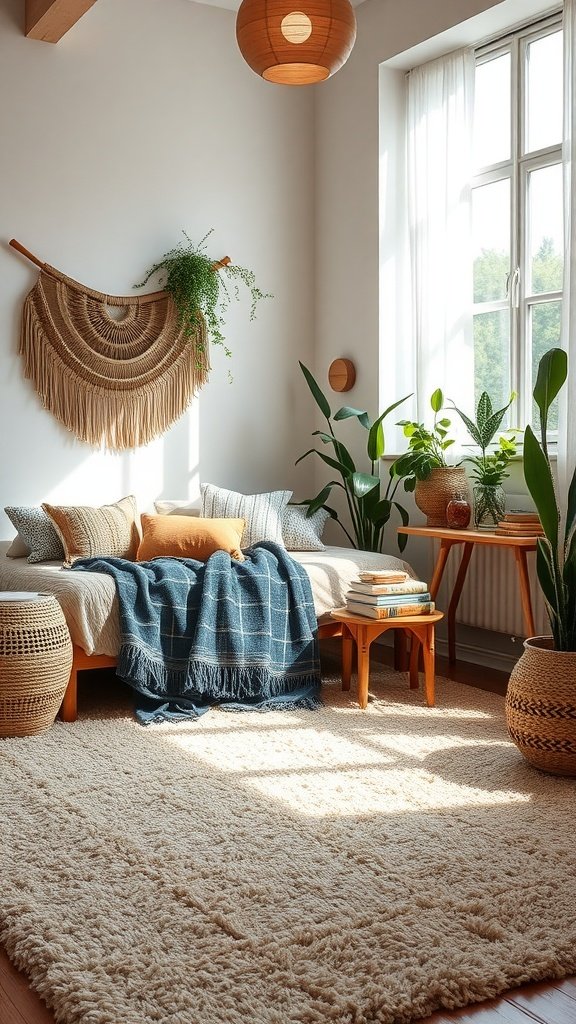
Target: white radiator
491, 595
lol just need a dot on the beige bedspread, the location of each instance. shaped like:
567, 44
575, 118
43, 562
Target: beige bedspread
90, 605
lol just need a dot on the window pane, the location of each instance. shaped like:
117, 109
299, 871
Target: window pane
491, 235
545, 229
544, 334
492, 111
492, 356
544, 57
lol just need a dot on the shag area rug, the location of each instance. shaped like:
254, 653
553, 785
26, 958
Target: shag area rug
293, 867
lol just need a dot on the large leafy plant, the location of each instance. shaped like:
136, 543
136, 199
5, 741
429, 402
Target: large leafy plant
556, 554
368, 508
489, 468
426, 448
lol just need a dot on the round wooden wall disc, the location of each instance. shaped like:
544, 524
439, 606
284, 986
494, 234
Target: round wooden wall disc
341, 375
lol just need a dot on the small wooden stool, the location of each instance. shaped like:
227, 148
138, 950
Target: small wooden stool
364, 630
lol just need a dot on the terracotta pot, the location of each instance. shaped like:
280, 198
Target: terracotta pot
541, 706
433, 494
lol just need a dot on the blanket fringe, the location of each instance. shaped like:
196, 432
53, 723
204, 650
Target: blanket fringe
224, 682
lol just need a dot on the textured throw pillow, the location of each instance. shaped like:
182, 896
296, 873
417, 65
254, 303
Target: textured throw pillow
109, 531
37, 531
183, 507
302, 533
262, 512
189, 537
18, 549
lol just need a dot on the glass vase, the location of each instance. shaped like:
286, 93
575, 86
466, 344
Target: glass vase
489, 506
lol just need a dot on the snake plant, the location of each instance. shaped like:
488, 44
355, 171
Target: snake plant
556, 554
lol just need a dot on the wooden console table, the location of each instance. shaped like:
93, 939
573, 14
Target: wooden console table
468, 538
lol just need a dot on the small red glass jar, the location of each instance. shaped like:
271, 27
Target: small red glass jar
458, 513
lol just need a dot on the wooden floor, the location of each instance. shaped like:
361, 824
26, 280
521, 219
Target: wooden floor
541, 1003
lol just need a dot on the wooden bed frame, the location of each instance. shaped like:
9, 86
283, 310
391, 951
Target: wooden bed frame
82, 661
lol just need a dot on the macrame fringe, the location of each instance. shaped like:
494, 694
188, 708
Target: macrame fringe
129, 406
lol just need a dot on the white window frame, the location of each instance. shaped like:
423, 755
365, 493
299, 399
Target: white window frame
517, 169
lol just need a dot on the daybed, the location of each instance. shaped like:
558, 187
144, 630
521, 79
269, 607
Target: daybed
90, 605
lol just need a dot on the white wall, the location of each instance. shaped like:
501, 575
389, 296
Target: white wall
142, 121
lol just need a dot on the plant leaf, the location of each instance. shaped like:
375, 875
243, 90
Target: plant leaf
318, 501
470, 426
483, 410
318, 395
362, 483
541, 486
380, 514
375, 445
570, 509
437, 400
552, 372
347, 411
344, 456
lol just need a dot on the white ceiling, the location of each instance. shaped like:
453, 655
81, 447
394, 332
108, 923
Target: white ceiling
233, 5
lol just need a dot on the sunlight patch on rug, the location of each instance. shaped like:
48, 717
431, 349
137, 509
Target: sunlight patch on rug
285, 868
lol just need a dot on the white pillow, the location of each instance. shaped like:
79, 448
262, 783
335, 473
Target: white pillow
262, 512
18, 548
302, 533
185, 507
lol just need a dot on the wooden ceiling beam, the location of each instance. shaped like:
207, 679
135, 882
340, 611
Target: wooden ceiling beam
49, 20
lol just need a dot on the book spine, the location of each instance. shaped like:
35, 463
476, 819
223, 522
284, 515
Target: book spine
412, 587
396, 611
386, 600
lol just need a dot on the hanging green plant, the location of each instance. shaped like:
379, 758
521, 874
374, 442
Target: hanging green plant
199, 289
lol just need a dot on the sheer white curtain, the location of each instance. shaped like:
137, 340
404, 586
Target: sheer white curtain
567, 431
439, 165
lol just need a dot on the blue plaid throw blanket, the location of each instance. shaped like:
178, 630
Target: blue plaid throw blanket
242, 634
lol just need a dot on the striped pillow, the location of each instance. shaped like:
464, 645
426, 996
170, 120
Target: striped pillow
108, 531
262, 512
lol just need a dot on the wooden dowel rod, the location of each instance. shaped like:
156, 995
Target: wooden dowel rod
29, 256
34, 259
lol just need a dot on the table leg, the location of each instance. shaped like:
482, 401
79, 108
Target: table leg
443, 553
347, 649
363, 640
69, 705
522, 564
454, 599
400, 651
414, 658
428, 650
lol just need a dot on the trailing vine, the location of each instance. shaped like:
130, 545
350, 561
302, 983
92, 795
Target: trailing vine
200, 292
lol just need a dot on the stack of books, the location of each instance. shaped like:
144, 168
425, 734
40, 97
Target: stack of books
520, 524
387, 594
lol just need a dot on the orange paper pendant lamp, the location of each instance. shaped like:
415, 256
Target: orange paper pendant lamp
295, 42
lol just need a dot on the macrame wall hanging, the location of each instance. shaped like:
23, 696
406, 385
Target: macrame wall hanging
120, 381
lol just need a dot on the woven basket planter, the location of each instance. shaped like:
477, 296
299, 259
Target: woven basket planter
35, 663
433, 494
541, 706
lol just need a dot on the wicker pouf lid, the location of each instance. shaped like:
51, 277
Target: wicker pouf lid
35, 662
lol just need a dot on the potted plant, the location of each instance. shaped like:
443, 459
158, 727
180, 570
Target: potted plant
489, 468
424, 467
200, 292
368, 508
540, 700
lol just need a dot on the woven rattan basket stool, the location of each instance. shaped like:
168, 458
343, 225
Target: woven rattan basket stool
35, 662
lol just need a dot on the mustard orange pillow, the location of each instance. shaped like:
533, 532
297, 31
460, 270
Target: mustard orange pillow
189, 537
